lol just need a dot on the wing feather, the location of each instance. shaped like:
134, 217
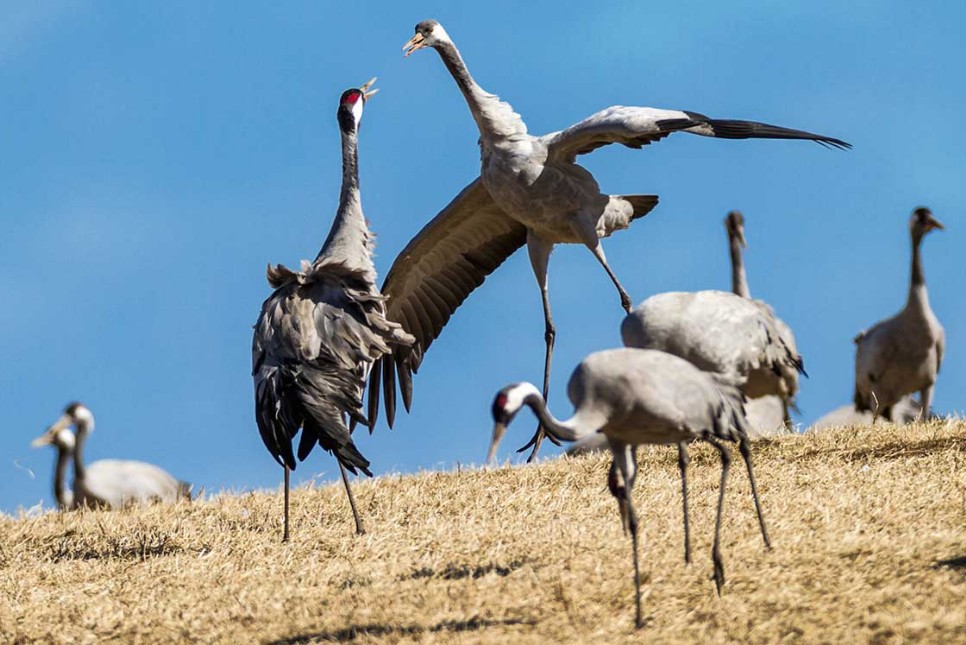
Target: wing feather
439, 268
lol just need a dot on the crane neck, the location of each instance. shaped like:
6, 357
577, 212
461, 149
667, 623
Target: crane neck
918, 297
349, 242
80, 470
569, 430
494, 118
739, 281
60, 477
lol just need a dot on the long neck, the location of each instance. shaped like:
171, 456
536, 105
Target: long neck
917, 283
80, 471
569, 430
60, 477
349, 242
739, 281
493, 117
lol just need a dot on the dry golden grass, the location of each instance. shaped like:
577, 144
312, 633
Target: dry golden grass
869, 527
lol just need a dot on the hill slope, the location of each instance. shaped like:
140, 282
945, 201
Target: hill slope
869, 527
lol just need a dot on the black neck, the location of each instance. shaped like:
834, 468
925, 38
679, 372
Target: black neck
60, 476
739, 282
80, 471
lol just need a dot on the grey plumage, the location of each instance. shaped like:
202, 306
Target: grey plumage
719, 332
639, 396
906, 410
902, 354
531, 191
321, 330
106, 483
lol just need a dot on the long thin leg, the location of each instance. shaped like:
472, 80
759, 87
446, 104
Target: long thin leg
586, 230
683, 466
632, 522
744, 446
719, 576
360, 530
620, 481
539, 251
285, 529
925, 403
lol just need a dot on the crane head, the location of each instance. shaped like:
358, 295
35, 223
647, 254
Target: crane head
735, 224
351, 103
429, 33
507, 403
922, 222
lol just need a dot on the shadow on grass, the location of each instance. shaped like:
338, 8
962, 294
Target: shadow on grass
958, 564
353, 632
889, 451
459, 572
138, 546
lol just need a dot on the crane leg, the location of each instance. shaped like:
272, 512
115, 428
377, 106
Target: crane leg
719, 575
539, 251
285, 528
587, 231
683, 466
744, 446
360, 530
925, 403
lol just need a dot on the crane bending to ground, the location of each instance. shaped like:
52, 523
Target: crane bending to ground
640, 396
106, 483
530, 191
902, 354
320, 331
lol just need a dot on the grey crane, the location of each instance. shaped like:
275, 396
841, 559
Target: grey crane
320, 331
902, 354
530, 191
766, 413
106, 483
906, 410
634, 397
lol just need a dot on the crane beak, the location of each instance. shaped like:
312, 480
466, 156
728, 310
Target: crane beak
45, 439
365, 87
934, 223
499, 429
413, 44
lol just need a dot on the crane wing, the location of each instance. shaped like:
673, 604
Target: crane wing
449, 258
635, 127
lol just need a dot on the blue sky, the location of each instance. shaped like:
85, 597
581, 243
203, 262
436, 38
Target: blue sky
156, 157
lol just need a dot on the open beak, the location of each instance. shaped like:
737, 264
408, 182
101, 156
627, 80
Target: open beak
47, 437
499, 429
365, 88
414, 43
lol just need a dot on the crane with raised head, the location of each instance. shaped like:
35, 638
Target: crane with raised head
530, 192
320, 331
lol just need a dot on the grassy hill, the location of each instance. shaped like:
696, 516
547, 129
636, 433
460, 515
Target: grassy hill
869, 527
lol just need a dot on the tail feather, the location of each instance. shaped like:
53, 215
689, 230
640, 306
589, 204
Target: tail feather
642, 204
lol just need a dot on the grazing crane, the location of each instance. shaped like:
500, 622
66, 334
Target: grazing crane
107, 483
530, 191
320, 331
639, 396
768, 413
906, 410
902, 354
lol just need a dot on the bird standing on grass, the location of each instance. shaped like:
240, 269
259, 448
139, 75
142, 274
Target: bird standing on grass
106, 483
902, 354
320, 331
530, 191
633, 397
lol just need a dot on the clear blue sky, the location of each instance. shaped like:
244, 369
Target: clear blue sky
157, 156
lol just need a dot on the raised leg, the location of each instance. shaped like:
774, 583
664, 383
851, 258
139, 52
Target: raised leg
925, 402
352, 501
683, 466
285, 528
744, 446
539, 251
586, 230
725, 452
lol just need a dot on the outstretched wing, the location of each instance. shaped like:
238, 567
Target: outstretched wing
449, 258
638, 126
